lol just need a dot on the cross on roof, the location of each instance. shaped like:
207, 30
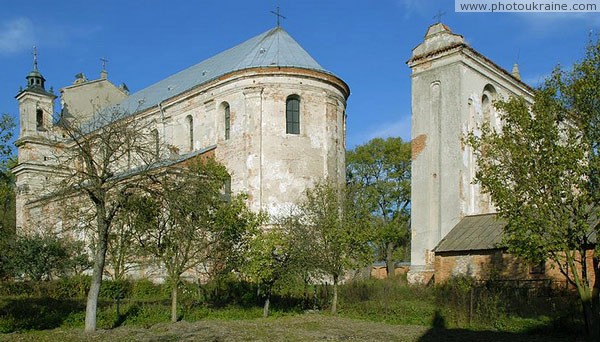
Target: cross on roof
35, 66
278, 14
438, 16
103, 60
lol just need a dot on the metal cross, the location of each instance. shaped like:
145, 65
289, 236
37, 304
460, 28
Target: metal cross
278, 14
438, 16
35, 66
103, 60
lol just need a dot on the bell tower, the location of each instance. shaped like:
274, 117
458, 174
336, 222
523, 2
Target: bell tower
36, 139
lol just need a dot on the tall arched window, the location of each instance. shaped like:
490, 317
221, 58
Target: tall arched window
39, 120
156, 142
190, 123
292, 114
227, 114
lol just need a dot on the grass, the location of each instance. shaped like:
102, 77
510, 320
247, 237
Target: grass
368, 310
300, 327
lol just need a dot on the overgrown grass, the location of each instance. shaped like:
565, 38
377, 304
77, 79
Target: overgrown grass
459, 304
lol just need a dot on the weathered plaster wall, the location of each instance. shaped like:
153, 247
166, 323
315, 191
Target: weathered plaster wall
274, 168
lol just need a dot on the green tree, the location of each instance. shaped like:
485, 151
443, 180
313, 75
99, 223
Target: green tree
543, 173
279, 255
381, 171
185, 220
92, 162
41, 257
340, 232
7, 193
268, 259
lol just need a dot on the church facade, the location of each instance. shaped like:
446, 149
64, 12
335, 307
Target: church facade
453, 91
264, 108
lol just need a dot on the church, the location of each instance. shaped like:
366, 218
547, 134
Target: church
277, 120
264, 108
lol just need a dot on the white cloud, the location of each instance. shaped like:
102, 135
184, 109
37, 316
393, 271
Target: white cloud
16, 35
550, 23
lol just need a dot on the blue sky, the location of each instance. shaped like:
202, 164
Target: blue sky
366, 43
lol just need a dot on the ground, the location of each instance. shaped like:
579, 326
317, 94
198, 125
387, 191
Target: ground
307, 327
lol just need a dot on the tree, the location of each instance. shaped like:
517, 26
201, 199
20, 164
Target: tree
102, 160
184, 220
41, 257
542, 171
339, 229
7, 193
381, 171
268, 259
279, 255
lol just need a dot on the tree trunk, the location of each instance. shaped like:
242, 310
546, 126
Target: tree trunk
174, 302
389, 260
99, 259
591, 320
335, 296
267, 303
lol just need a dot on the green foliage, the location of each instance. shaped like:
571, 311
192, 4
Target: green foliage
41, 257
339, 228
186, 222
380, 170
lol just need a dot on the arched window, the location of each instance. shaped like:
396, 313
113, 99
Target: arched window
487, 106
227, 114
156, 142
190, 123
39, 120
292, 114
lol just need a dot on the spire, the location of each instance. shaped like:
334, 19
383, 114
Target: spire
35, 65
35, 80
515, 71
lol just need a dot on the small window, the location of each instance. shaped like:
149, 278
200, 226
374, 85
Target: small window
292, 115
227, 114
539, 268
39, 120
190, 123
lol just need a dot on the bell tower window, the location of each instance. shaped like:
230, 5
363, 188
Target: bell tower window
39, 120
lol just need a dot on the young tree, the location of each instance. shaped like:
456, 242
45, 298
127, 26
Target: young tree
184, 220
278, 255
381, 171
268, 259
340, 232
543, 173
97, 163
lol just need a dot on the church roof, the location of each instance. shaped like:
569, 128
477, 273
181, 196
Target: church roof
273, 48
477, 232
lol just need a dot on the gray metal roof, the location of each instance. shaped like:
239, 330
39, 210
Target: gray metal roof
274, 48
476, 232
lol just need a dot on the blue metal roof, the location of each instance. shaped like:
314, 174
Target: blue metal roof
274, 48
